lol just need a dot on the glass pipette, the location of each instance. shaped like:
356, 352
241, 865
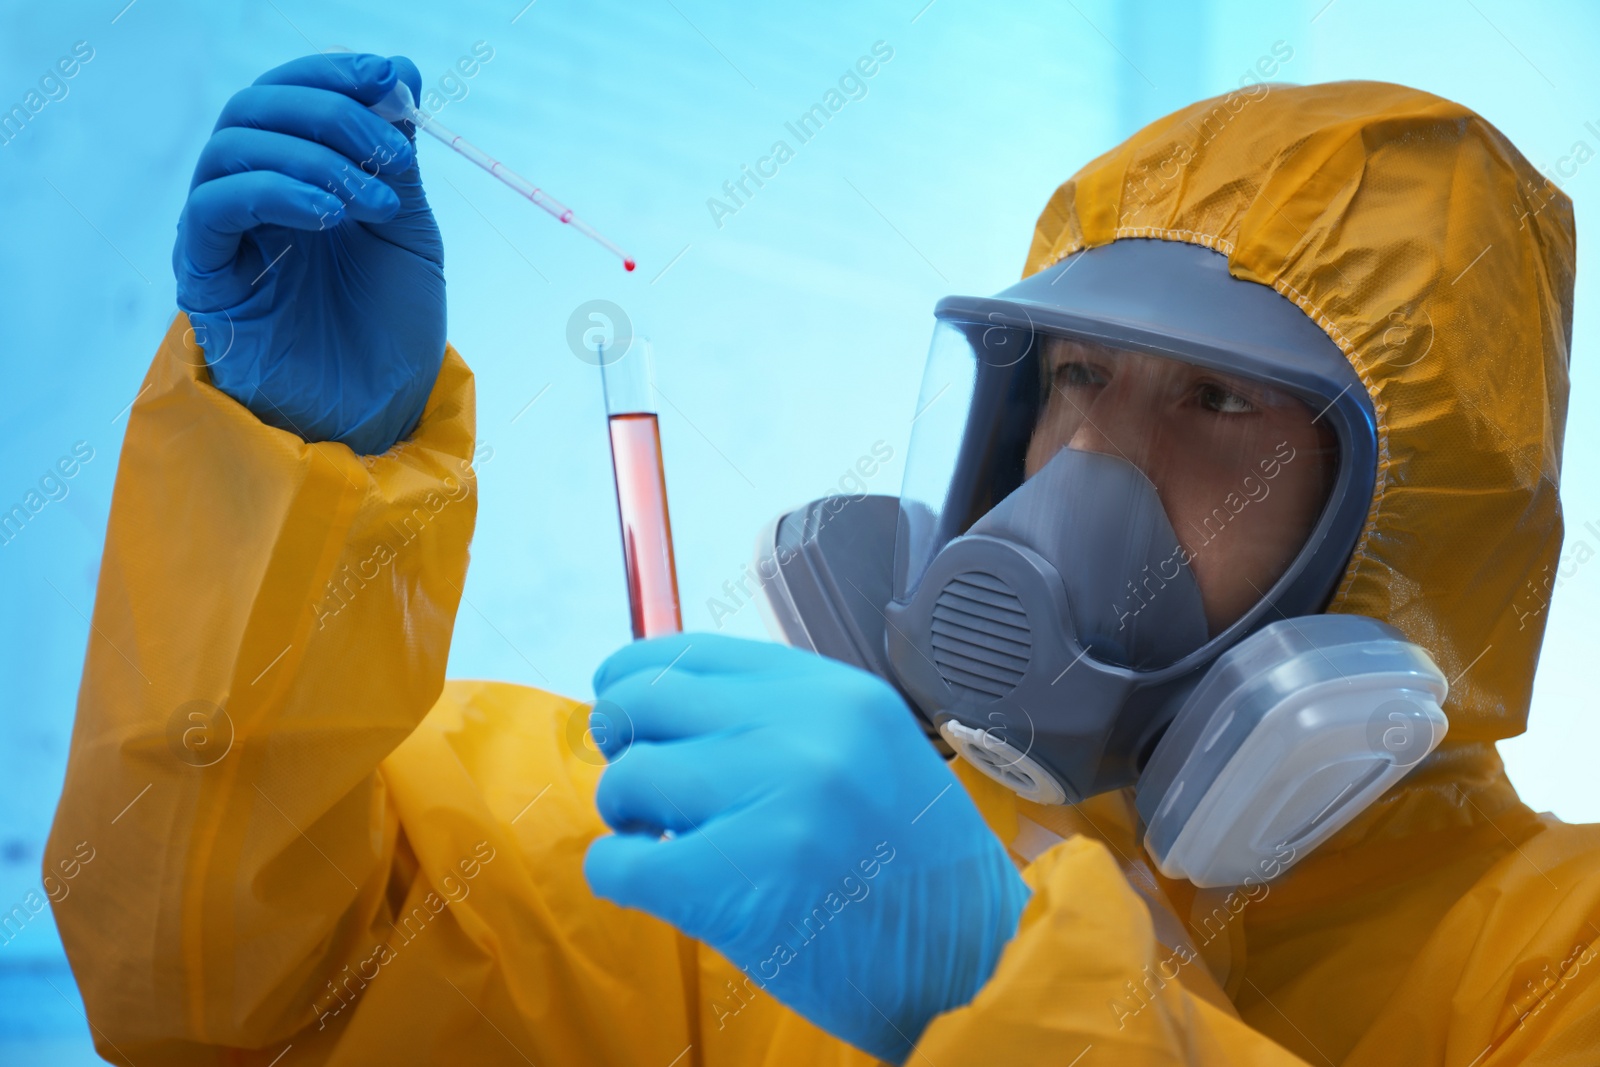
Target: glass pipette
400, 104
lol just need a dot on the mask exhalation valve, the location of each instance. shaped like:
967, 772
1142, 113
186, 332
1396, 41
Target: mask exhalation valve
980, 636
1004, 762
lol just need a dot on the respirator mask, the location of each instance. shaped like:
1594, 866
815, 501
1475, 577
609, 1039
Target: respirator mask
1132, 486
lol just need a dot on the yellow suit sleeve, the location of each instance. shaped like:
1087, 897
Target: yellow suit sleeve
1086, 977
272, 619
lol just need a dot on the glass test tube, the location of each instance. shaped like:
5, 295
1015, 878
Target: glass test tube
628, 381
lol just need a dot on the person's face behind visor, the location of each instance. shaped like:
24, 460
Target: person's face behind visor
1242, 469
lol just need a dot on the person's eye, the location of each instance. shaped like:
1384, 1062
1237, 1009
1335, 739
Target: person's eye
1078, 375
1222, 400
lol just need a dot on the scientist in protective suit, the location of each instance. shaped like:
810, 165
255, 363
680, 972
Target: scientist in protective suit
1219, 569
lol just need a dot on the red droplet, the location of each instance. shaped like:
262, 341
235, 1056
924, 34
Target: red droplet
628, 264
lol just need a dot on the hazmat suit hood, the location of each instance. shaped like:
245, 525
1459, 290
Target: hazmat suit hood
1441, 263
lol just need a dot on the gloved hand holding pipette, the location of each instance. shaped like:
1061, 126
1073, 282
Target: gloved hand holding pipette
308, 259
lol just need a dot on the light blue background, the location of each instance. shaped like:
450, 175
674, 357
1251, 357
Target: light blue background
788, 340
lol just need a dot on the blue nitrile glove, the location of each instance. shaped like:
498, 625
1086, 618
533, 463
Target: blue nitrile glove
308, 259
817, 840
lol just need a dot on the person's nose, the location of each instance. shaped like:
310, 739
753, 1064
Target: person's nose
1120, 422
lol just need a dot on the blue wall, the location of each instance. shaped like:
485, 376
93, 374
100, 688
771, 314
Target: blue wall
788, 339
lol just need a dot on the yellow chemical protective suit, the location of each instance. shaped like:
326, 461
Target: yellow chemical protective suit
362, 864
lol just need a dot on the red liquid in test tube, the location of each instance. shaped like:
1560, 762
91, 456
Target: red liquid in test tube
652, 574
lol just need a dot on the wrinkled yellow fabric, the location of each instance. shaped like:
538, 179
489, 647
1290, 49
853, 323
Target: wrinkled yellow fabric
373, 865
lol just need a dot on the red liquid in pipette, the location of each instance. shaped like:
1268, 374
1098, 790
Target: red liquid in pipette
646, 527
